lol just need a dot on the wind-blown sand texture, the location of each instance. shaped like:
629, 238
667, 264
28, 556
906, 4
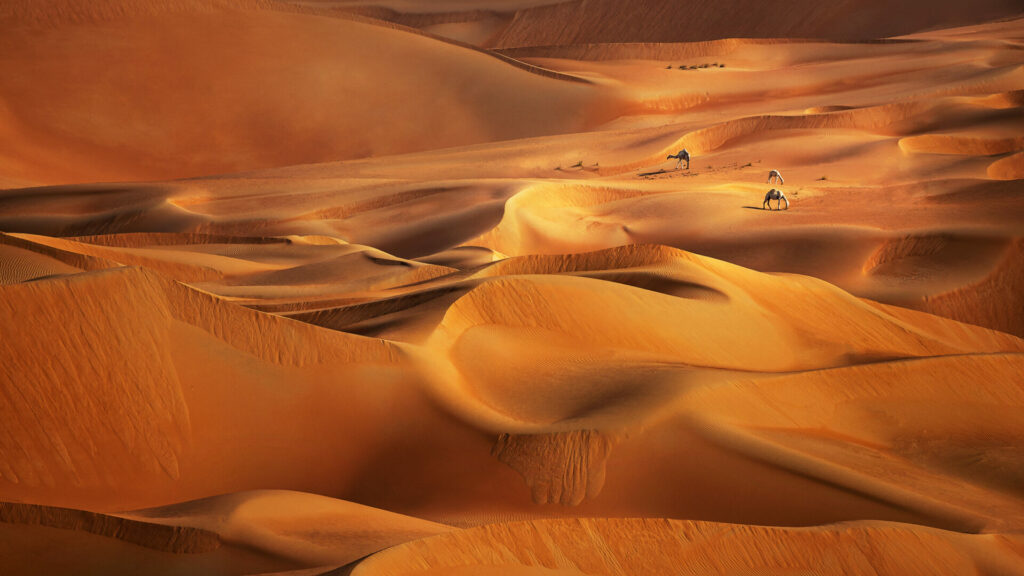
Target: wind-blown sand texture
382, 287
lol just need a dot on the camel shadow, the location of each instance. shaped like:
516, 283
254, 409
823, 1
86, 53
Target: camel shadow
655, 173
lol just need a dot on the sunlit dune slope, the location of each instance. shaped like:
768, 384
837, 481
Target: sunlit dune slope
599, 356
304, 528
628, 547
111, 414
242, 533
138, 90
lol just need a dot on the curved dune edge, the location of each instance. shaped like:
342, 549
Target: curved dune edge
639, 547
624, 304
894, 264
148, 239
304, 528
175, 539
964, 259
21, 265
58, 251
893, 252
97, 255
569, 466
817, 422
884, 119
299, 529
1009, 168
992, 300
1003, 100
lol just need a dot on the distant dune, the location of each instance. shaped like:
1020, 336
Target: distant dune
621, 547
574, 22
139, 91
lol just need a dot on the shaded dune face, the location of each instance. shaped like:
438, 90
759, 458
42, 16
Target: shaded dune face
580, 22
422, 307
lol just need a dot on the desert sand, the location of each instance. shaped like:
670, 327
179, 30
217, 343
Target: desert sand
390, 287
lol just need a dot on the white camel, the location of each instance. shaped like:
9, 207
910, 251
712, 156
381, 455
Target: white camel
774, 194
773, 175
681, 155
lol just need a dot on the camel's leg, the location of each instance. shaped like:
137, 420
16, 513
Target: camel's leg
787, 202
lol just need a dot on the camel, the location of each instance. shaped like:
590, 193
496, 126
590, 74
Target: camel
774, 194
774, 174
681, 155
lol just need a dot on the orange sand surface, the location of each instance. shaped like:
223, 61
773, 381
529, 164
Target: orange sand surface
390, 287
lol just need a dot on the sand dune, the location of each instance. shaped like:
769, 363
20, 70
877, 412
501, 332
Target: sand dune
610, 21
205, 87
31, 537
579, 22
1009, 168
304, 528
128, 421
20, 265
526, 196
191, 350
265, 531
174, 539
657, 546
425, 307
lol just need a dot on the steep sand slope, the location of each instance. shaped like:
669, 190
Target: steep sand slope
113, 415
186, 395
240, 533
149, 90
45, 540
620, 547
304, 528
